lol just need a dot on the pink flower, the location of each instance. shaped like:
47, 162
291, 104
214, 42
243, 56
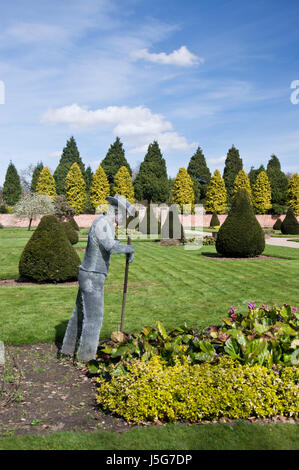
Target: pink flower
232, 310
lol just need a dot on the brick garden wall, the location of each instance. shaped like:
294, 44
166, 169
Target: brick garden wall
85, 220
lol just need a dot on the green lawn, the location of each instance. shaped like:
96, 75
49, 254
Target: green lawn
238, 436
169, 284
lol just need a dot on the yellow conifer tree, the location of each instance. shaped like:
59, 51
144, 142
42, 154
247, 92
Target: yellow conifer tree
242, 182
46, 183
99, 188
293, 193
261, 193
75, 188
216, 199
123, 184
182, 191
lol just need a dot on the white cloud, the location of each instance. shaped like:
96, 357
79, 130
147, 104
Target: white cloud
55, 154
138, 126
181, 57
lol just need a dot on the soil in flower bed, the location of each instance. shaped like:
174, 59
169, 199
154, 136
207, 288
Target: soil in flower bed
43, 393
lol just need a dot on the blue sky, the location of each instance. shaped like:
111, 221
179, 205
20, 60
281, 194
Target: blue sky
185, 73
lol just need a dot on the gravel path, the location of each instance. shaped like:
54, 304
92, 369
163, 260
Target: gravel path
269, 241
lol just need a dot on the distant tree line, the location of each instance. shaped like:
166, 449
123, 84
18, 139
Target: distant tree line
270, 189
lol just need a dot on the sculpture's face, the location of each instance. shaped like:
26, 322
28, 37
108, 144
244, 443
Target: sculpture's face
119, 217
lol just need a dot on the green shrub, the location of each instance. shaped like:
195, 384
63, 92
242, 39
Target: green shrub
154, 391
71, 233
1, 226
209, 240
277, 225
214, 221
49, 256
241, 234
290, 225
3, 209
264, 336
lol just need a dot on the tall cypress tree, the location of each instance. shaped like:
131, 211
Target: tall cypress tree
70, 155
114, 160
75, 188
88, 178
12, 190
279, 185
46, 183
233, 164
182, 191
198, 168
261, 192
216, 200
293, 193
35, 176
152, 183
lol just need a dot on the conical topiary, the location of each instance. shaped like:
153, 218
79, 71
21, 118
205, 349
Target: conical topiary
150, 224
172, 227
277, 225
290, 225
71, 233
240, 235
49, 256
215, 222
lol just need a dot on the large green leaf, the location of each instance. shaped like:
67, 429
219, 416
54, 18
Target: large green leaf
232, 348
161, 330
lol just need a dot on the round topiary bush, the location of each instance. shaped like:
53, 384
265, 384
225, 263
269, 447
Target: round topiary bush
240, 235
49, 256
277, 225
71, 233
290, 225
215, 222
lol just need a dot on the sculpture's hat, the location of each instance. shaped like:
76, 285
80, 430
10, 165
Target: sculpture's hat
121, 203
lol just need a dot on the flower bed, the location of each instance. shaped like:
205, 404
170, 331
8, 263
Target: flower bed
247, 366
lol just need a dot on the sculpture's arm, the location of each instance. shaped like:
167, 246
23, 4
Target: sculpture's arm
105, 236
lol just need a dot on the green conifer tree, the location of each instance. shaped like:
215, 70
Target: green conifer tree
88, 178
35, 176
233, 164
114, 160
123, 184
261, 193
12, 190
70, 155
216, 199
279, 185
75, 188
100, 188
182, 191
151, 183
46, 183
198, 168
293, 193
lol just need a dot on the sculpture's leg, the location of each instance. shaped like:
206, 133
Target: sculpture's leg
93, 309
74, 327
